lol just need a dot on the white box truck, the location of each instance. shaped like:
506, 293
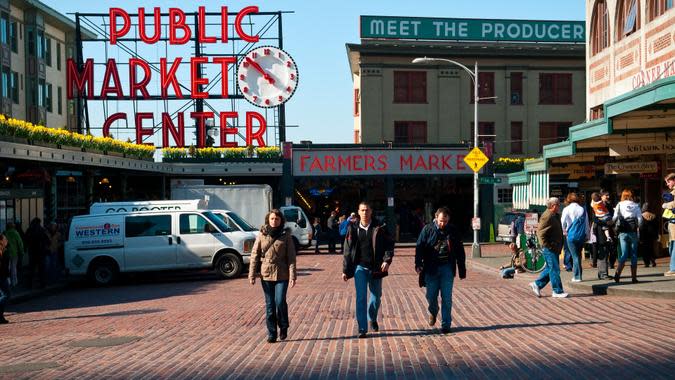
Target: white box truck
252, 202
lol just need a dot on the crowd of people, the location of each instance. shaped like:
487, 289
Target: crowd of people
44, 248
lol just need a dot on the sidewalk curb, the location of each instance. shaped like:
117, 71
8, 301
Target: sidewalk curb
613, 289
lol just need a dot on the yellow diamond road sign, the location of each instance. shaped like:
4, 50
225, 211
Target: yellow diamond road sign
476, 159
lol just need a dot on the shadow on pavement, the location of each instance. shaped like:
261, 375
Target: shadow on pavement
112, 314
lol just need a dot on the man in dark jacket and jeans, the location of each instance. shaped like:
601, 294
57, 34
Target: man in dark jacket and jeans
440, 254
367, 258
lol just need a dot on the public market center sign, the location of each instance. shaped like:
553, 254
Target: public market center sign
423, 28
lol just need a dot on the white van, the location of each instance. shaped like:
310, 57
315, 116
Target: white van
104, 245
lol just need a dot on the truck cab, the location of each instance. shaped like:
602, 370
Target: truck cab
299, 224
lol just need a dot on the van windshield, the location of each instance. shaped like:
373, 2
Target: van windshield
241, 222
213, 218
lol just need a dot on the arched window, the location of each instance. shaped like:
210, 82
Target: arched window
659, 7
599, 27
627, 18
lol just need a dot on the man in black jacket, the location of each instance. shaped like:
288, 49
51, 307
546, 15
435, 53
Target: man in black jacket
440, 254
367, 258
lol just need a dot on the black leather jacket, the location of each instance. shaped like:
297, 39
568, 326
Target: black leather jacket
383, 247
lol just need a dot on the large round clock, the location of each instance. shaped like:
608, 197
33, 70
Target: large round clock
267, 76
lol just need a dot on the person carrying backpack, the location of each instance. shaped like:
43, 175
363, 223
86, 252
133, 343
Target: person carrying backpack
575, 226
627, 219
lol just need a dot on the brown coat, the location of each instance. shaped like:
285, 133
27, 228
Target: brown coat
278, 263
550, 231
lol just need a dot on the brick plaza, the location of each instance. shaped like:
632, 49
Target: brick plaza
199, 327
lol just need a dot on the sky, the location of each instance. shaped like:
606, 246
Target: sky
315, 35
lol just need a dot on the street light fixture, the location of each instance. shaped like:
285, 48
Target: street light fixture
475, 247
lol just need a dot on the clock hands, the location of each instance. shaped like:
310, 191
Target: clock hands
260, 70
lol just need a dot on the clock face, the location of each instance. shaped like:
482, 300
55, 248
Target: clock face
267, 76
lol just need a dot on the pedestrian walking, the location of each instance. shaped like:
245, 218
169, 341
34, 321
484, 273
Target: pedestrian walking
15, 250
670, 205
439, 254
37, 245
344, 226
332, 231
575, 227
273, 260
550, 237
4, 277
648, 236
627, 219
318, 234
369, 254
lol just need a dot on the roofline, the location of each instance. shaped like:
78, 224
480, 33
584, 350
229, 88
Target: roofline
59, 17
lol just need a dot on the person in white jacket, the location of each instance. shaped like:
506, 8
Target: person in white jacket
570, 214
627, 219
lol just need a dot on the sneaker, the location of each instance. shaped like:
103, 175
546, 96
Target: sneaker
575, 280
669, 273
374, 326
432, 319
560, 295
363, 334
535, 289
271, 339
283, 334
446, 330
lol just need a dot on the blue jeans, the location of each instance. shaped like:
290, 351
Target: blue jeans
551, 272
629, 246
672, 255
276, 308
441, 282
575, 252
363, 280
567, 259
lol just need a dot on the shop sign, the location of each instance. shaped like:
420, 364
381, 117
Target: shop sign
574, 171
660, 71
357, 162
531, 222
475, 223
631, 167
424, 28
661, 147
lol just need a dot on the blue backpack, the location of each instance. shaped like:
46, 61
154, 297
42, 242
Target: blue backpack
576, 233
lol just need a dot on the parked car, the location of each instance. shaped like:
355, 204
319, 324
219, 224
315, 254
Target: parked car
504, 227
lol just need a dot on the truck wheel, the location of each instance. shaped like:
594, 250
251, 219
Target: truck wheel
229, 265
103, 272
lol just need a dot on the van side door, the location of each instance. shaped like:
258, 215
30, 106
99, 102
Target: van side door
148, 242
197, 240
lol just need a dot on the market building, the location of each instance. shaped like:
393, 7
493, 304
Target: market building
628, 138
531, 81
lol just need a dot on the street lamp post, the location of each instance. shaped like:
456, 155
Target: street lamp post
475, 247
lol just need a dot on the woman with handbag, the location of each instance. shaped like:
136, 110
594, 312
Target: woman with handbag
273, 260
627, 219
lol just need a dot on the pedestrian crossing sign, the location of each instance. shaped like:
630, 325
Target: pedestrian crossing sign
476, 159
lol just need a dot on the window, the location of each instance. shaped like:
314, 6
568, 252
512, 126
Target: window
597, 113
628, 18
40, 43
13, 38
31, 42
14, 87
49, 98
555, 88
4, 28
486, 88
41, 93
410, 132
659, 7
59, 96
599, 28
195, 224
516, 88
58, 56
5, 82
410, 87
48, 52
151, 225
357, 101
517, 137
553, 132
486, 135
505, 195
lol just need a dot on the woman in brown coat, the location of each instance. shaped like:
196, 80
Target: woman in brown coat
275, 251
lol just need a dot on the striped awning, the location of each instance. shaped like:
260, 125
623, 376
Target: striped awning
532, 192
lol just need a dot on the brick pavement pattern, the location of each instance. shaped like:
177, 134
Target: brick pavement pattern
194, 328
